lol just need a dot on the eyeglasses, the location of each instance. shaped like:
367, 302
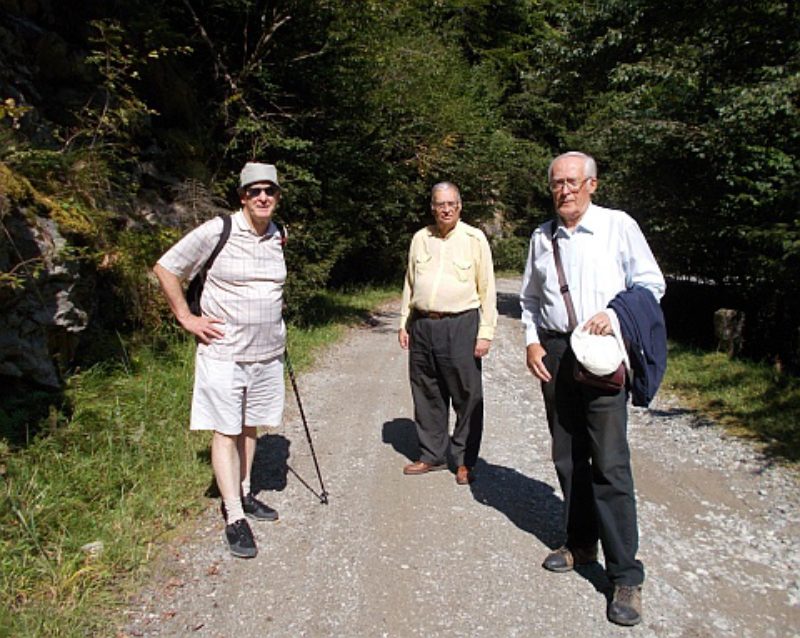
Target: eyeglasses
573, 185
443, 205
269, 191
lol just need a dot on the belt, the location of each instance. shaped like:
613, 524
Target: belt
555, 334
437, 315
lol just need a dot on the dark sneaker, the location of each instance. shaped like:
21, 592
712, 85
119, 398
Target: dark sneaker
240, 539
257, 510
564, 559
626, 607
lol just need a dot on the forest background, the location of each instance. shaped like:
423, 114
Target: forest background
124, 124
127, 123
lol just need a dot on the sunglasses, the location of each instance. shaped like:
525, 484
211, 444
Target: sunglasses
269, 191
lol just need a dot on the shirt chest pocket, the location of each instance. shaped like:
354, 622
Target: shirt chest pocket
464, 269
422, 263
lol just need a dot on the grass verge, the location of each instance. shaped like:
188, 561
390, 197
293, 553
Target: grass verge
111, 474
748, 399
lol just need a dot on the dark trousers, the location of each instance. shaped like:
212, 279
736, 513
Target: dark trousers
443, 369
592, 460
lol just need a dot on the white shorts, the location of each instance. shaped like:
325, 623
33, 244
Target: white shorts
229, 394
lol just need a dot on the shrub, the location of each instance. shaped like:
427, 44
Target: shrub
510, 253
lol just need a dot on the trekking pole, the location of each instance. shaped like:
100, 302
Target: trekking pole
323, 497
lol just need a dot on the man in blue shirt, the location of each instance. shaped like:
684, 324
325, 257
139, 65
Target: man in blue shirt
603, 253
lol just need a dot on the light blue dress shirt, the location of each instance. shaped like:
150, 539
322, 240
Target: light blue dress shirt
604, 254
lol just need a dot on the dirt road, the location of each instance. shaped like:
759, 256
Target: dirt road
399, 556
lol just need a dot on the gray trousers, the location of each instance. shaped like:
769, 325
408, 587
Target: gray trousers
444, 370
592, 459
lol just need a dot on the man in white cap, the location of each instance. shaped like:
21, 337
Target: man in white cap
241, 340
603, 254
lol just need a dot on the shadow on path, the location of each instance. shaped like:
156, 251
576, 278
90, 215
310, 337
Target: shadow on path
529, 504
532, 506
383, 322
401, 434
508, 305
271, 463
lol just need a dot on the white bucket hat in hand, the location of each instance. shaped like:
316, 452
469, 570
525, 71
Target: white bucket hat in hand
599, 354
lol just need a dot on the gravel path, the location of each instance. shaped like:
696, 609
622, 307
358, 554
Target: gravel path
398, 556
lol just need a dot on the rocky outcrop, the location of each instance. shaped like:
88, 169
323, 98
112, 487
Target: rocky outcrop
43, 297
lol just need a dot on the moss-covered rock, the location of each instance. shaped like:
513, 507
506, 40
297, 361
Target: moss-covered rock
41, 289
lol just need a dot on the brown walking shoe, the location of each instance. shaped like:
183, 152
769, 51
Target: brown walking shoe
464, 475
626, 607
565, 559
421, 467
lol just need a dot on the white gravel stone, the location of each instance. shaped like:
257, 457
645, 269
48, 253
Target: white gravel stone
399, 556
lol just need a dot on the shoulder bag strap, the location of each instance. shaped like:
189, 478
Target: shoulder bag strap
562, 281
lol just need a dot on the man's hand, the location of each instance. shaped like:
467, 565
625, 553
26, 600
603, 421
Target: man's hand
402, 338
599, 324
204, 328
482, 348
535, 355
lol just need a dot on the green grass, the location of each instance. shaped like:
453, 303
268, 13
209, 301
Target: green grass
114, 462
327, 316
748, 399
507, 274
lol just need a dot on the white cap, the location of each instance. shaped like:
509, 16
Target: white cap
253, 172
599, 354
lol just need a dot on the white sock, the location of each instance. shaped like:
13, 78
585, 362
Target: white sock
233, 509
246, 487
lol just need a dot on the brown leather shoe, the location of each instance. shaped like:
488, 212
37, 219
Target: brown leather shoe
464, 475
421, 467
626, 607
565, 559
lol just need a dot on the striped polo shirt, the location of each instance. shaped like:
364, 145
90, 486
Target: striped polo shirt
244, 287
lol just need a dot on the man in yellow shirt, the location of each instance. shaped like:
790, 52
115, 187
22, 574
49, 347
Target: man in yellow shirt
447, 322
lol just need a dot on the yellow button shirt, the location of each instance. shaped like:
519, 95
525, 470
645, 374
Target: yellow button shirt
451, 274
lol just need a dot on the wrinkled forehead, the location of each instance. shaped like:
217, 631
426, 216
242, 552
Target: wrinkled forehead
568, 167
444, 193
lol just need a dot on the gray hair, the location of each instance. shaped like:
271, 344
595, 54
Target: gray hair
442, 186
589, 165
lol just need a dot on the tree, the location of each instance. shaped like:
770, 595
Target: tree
692, 112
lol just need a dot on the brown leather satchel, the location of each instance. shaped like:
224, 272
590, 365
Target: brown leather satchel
613, 382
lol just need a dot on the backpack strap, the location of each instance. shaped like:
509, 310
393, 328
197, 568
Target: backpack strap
223, 238
281, 232
196, 285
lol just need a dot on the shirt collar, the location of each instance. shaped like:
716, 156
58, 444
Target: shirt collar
242, 224
588, 223
433, 231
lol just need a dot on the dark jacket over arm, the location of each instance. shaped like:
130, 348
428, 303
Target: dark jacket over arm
645, 333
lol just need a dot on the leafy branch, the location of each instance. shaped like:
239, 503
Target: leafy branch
251, 62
